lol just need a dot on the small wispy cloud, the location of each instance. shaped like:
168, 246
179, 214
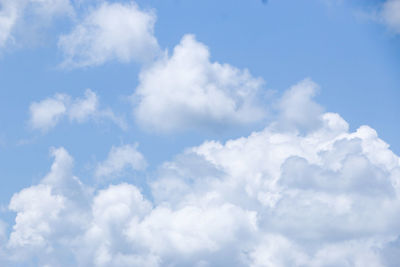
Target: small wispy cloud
119, 159
47, 113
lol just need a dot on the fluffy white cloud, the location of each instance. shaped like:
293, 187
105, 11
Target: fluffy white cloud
49, 214
113, 31
323, 196
112, 210
299, 97
391, 14
12, 13
36, 208
45, 114
82, 108
325, 188
187, 91
120, 158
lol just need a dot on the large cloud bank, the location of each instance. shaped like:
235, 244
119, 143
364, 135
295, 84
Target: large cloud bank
283, 196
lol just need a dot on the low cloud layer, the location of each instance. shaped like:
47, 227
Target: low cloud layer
323, 196
188, 91
47, 113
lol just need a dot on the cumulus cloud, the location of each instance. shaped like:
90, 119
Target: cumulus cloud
326, 196
37, 207
82, 108
45, 114
120, 158
51, 210
113, 31
390, 14
300, 97
188, 91
12, 13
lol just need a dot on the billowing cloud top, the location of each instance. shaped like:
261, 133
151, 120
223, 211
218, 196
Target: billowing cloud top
187, 91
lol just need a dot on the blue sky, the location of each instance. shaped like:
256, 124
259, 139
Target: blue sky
163, 78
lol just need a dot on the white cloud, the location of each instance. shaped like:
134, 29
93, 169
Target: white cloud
323, 197
12, 13
45, 114
276, 250
37, 207
390, 14
55, 209
187, 91
8, 18
113, 31
3, 236
119, 159
83, 108
112, 210
299, 97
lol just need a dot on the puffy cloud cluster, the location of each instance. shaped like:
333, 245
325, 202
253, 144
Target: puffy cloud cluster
12, 13
188, 91
305, 191
324, 196
45, 114
112, 31
184, 91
